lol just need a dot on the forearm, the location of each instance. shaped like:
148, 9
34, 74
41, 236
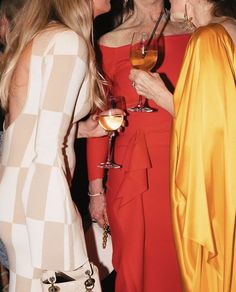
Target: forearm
96, 153
156, 90
97, 204
164, 98
96, 186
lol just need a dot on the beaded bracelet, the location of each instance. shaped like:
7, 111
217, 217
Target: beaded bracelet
96, 194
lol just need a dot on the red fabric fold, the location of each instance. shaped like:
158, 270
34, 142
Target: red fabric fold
135, 164
137, 194
128, 212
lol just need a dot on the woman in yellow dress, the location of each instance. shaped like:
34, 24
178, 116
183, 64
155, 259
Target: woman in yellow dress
203, 158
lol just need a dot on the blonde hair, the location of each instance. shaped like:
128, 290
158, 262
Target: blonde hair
33, 17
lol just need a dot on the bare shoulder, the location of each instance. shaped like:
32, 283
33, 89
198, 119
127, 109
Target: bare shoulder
118, 37
216, 30
230, 26
110, 39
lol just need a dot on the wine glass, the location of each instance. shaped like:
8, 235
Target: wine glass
111, 119
143, 55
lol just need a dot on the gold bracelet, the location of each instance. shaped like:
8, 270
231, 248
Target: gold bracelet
96, 194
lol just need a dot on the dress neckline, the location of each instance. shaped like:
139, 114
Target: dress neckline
165, 36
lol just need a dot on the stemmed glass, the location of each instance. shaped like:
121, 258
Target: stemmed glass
143, 55
111, 120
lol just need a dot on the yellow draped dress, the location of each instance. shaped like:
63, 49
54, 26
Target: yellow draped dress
203, 163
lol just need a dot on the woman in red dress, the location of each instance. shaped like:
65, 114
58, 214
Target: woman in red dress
137, 195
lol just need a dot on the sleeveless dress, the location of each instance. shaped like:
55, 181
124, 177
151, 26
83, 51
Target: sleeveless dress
39, 224
138, 197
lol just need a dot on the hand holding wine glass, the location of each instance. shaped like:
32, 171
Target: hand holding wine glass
143, 55
111, 120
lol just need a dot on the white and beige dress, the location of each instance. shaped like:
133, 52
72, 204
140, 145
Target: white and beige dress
39, 223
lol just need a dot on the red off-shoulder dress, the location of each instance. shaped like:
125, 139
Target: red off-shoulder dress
138, 198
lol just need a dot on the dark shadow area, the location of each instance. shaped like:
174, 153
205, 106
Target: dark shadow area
108, 284
80, 196
1, 120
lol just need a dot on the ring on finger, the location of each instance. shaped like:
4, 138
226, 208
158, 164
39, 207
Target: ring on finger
133, 84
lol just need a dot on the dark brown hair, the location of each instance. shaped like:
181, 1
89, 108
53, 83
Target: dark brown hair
224, 8
9, 8
123, 8
120, 9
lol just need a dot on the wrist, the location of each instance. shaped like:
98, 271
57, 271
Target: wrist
95, 185
169, 103
96, 194
81, 132
164, 99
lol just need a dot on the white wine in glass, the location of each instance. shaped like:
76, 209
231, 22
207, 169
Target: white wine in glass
111, 120
143, 55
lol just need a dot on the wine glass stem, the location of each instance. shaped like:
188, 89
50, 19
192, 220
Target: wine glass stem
140, 101
109, 153
145, 101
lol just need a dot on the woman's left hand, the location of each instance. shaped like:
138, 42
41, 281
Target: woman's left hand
97, 209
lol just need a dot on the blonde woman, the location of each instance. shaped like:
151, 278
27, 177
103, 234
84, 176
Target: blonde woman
48, 83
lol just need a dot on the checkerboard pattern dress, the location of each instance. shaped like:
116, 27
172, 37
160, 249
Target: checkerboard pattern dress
39, 224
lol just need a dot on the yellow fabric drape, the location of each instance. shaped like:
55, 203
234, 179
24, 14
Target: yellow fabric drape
203, 163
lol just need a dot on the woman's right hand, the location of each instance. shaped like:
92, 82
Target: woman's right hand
90, 128
152, 86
